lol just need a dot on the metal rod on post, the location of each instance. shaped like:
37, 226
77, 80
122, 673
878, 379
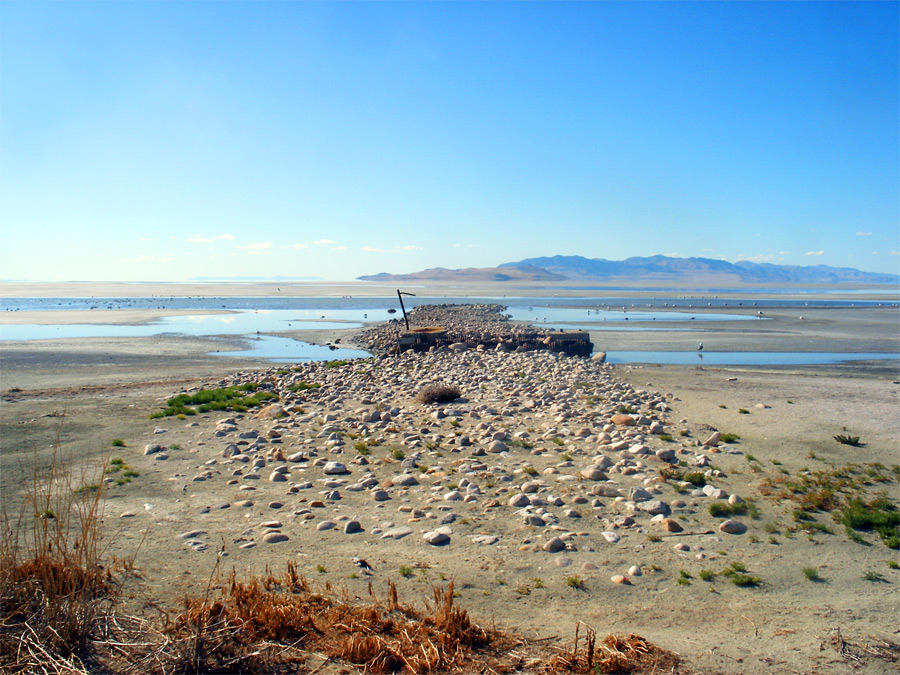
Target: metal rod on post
400, 297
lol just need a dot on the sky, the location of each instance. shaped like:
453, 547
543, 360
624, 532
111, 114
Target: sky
163, 141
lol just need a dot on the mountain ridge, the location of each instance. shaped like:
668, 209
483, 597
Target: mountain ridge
651, 268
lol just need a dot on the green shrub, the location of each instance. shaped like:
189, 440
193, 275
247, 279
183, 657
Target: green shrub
575, 582
878, 514
811, 573
720, 509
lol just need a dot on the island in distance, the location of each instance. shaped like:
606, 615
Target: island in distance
658, 268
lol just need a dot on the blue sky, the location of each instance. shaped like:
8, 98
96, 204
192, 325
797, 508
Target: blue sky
169, 140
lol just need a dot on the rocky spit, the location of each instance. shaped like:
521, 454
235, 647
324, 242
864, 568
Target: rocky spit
480, 325
544, 454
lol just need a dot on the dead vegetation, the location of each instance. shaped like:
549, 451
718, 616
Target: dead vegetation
614, 654
438, 392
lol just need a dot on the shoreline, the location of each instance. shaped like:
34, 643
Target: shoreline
11, 289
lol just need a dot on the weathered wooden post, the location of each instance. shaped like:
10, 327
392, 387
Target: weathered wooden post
400, 297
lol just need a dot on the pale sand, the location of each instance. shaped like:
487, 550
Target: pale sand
106, 387
113, 317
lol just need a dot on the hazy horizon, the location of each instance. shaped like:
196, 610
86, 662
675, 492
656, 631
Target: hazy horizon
169, 141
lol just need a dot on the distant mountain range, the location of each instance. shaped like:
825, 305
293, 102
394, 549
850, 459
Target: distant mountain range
658, 268
513, 272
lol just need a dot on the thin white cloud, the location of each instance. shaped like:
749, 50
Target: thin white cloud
410, 248
257, 247
339, 248
814, 253
762, 257
369, 249
893, 252
324, 242
200, 239
299, 246
863, 234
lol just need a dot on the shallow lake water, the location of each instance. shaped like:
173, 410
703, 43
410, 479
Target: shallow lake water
253, 317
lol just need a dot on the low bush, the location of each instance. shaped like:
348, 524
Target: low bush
438, 392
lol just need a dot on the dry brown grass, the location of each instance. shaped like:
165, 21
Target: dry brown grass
614, 654
438, 392
290, 619
54, 591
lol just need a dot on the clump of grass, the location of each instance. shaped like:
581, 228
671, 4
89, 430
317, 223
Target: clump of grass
697, 478
729, 438
538, 583
684, 579
707, 575
321, 569
405, 571
438, 392
575, 582
666, 437
743, 411
626, 410
556, 440
239, 399
844, 439
737, 572
721, 509
878, 514
398, 454
873, 576
529, 470
744, 580
303, 386
811, 573
117, 443
336, 363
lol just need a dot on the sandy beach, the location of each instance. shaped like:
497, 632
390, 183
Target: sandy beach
569, 482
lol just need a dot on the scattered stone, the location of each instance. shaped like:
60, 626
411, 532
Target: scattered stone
352, 527
555, 545
397, 532
274, 537
436, 538
623, 420
733, 527
335, 469
620, 579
